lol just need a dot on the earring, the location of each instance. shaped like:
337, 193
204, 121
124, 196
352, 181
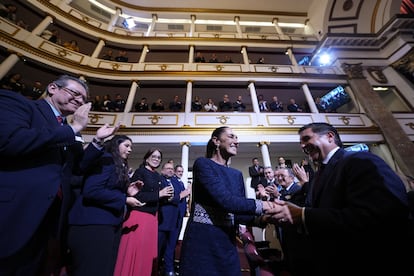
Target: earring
217, 147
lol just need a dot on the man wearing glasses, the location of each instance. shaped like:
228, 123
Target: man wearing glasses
41, 152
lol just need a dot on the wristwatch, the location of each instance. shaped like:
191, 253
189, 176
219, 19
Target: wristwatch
97, 142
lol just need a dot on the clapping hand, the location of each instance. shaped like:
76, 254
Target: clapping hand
272, 190
167, 191
135, 187
262, 193
300, 173
106, 131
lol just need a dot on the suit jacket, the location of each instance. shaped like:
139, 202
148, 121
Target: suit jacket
34, 152
358, 218
257, 176
170, 211
103, 197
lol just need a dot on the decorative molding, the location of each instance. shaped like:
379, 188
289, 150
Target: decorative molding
354, 71
342, 10
377, 74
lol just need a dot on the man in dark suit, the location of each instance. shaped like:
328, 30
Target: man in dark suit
170, 217
256, 172
39, 152
357, 220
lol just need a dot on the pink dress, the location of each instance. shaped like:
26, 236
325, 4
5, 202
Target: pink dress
137, 254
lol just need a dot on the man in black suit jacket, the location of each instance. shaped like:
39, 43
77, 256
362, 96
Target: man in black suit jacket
39, 153
357, 220
256, 172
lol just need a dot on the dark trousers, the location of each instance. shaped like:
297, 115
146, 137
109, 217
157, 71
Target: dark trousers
167, 241
93, 249
31, 259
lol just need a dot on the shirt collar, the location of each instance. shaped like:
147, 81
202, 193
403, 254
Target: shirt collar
329, 156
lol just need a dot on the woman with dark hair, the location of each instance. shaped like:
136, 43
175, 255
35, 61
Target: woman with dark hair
218, 206
96, 217
138, 249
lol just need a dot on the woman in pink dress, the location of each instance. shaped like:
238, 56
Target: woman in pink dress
137, 254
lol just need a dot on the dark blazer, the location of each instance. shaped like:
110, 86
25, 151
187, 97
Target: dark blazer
358, 218
103, 197
220, 190
34, 148
257, 176
170, 215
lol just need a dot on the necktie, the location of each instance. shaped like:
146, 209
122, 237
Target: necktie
316, 183
59, 119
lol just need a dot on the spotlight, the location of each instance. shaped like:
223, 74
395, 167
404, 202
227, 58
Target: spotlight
129, 23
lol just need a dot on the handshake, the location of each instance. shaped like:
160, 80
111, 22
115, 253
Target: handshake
280, 212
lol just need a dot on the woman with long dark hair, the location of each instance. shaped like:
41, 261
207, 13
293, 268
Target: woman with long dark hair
96, 217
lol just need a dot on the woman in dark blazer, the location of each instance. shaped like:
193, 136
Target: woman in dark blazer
95, 219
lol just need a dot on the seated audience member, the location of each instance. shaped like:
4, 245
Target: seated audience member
8, 11
107, 55
108, 104
34, 92
227, 59
71, 45
142, 105
213, 58
225, 105
197, 104
199, 58
119, 103
261, 60
13, 82
294, 107
263, 105
121, 56
275, 105
176, 105
97, 104
238, 105
54, 38
210, 106
158, 106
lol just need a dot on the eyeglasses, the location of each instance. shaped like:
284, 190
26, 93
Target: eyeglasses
155, 157
73, 93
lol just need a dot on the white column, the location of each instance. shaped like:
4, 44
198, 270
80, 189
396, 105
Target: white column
264, 148
279, 30
244, 53
309, 98
253, 95
188, 100
191, 54
152, 25
238, 28
185, 149
144, 52
293, 60
192, 26
114, 19
8, 64
98, 49
38, 30
131, 96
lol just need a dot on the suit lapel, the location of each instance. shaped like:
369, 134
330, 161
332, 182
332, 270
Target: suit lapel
325, 178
